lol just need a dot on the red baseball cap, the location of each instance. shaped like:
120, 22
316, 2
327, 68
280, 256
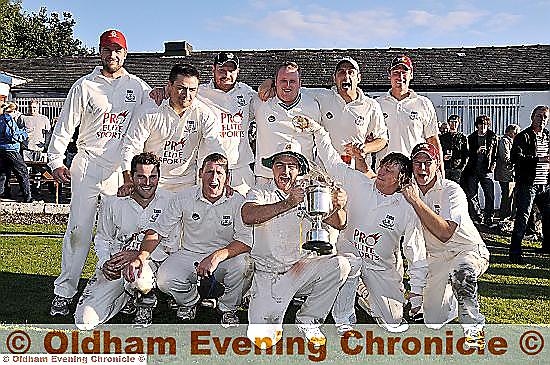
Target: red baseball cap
401, 60
426, 148
112, 36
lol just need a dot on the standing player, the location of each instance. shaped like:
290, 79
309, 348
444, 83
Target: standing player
102, 104
230, 101
121, 223
410, 117
457, 255
350, 117
181, 131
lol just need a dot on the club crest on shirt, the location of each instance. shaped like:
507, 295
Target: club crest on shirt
155, 215
385, 115
130, 96
191, 126
271, 118
437, 209
195, 216
360, 120
240, 100
388, 222
413, 115
329, 115
226, 220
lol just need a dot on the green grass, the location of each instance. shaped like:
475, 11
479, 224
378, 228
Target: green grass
515, 294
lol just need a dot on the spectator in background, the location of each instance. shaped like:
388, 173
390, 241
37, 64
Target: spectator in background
531, 161
455, 149
38, 127
443, 128
482, 147
504, 171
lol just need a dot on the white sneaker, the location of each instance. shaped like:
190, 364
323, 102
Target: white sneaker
312, 333
393, 328
474, 335
345, 328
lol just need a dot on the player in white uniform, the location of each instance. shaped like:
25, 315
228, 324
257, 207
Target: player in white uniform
214, 236
457, 255
120, 225
230, 101
373, 245
282, 269
181, 131
349, 116
276, 118
410, 117
102, 105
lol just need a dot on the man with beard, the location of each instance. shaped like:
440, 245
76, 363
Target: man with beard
410, 117
121, 222
102, 104
283, 269
181, 131
215, 239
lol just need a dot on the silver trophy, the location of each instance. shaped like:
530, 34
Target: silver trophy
318, 187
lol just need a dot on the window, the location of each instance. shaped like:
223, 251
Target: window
502, 109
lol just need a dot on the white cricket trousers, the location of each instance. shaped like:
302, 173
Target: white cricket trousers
317, 277
88, 181
102, 299
177, 277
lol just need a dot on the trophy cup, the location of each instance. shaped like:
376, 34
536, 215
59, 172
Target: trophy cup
319, 206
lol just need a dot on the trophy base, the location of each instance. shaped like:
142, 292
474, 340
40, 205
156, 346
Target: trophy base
321, 247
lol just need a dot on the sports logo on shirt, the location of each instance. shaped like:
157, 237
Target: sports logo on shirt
360, 120
413, 115
226, 220
155, 215
130, 96
329, 115
437, 209
240, 100
365, 244
195, 216
112, 125
271, 118
388, 222
190, 126
385, 115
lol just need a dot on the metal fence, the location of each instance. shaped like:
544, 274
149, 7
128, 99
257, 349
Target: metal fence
502, 109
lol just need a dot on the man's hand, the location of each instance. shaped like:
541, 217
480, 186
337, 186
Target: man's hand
111, 271
295, 196
354, 149
125, 189
61, 174
158, 94
339, 198
266, 90
410, 192
208, 265
129, 271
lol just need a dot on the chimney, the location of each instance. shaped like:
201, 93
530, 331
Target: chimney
177, 48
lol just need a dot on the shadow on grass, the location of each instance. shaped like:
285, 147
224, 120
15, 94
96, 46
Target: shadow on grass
513, 291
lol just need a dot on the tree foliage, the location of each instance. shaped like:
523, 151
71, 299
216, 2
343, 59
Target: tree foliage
24, 35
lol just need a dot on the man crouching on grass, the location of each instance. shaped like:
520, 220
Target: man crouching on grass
457, 255
120, 224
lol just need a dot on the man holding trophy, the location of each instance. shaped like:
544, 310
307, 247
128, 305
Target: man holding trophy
283, 268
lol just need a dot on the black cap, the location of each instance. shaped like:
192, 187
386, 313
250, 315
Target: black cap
224, 57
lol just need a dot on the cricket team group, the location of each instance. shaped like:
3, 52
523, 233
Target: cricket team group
204, 186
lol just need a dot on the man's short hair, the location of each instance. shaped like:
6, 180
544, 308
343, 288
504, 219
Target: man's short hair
218, 159
144, 158
537, 108
403, 163
453, 118
482, 119
288, 64
185, 70
512, 127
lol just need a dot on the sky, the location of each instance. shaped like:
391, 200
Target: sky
297, 24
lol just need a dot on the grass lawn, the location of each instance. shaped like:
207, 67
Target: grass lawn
517, 294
